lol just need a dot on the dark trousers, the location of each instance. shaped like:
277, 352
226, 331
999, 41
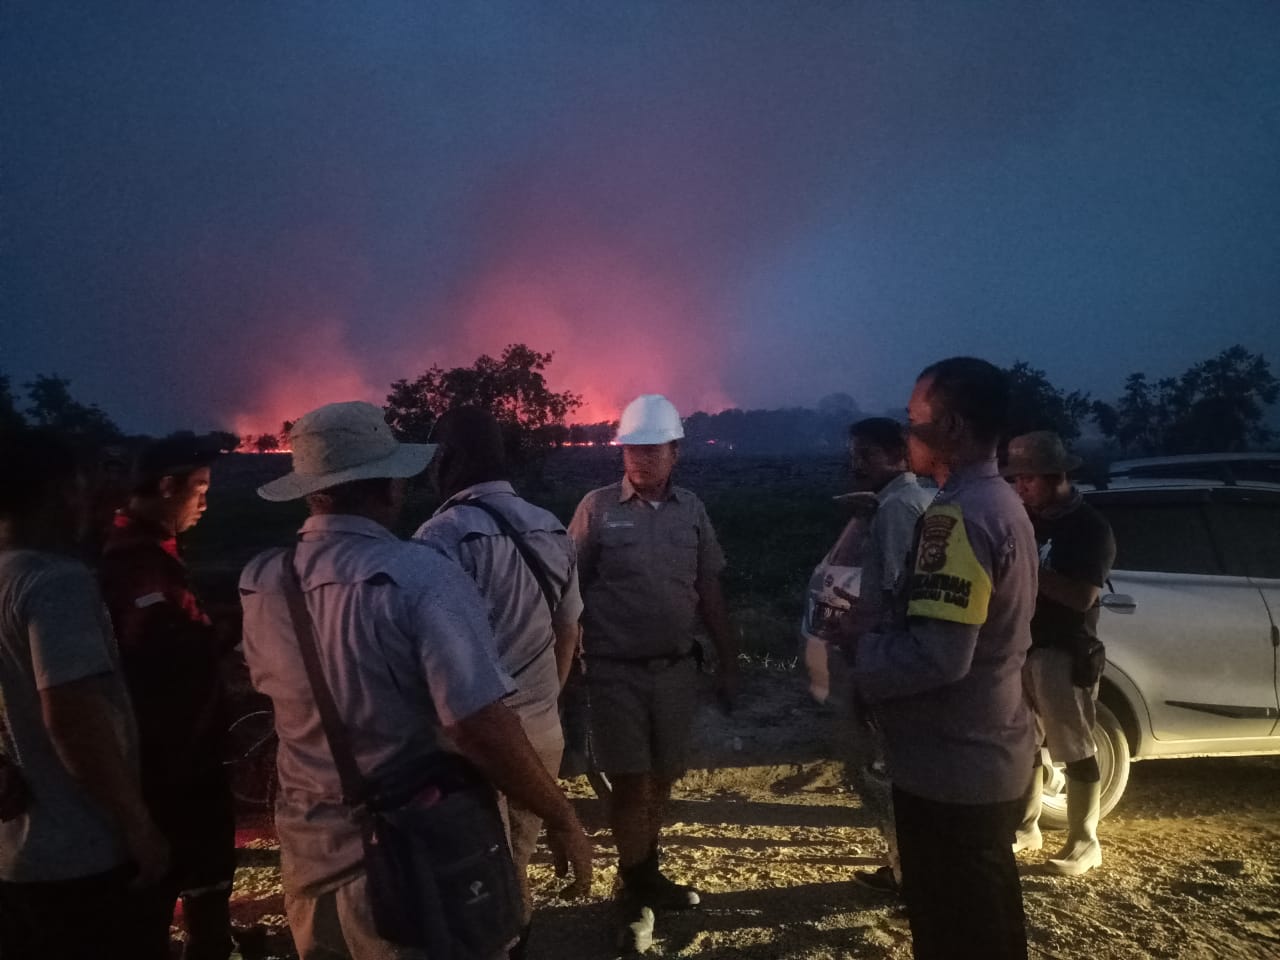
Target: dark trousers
81, 919
206, 915
959, 878
198, 820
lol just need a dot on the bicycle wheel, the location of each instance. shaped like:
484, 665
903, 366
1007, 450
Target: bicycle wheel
250, 758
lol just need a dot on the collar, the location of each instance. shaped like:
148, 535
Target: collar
475, 492
628, 492
127, 527
969, 472
904, 479
328, 524
1066, 506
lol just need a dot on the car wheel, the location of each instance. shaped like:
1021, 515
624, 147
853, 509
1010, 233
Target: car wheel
1113, 766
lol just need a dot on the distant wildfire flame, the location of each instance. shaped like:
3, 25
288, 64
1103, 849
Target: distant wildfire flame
615, 332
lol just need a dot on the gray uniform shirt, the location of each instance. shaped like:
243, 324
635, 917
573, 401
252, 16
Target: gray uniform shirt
639, 569
947, 686
522, 622
406, 648
53, 631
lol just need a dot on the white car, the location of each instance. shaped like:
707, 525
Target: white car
1191, 622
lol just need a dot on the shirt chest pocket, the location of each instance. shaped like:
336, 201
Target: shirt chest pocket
619, 536
621, 552
680, 545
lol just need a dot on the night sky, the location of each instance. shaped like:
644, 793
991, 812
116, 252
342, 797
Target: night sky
223, 214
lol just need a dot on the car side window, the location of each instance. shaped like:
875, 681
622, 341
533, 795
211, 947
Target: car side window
1167, 537
1256, 471
1249, 536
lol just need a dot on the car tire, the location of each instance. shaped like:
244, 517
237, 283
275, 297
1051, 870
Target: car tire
1113, 766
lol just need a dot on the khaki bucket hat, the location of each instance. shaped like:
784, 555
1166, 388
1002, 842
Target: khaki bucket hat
341, 442
1037, 453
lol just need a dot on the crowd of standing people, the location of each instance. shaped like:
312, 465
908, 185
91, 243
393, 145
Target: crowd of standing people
415, 683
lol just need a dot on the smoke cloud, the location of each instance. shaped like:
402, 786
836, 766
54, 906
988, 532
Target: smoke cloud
220, 218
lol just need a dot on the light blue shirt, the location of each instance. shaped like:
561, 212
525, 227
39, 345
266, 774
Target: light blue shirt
522, 621
406, 647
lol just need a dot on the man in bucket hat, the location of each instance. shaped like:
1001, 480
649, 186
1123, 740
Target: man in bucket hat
407, 650
1066, 660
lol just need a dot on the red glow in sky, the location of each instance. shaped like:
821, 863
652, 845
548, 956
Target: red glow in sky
616, 331
316, 370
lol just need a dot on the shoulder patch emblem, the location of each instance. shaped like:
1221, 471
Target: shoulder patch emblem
948, 582
934, 534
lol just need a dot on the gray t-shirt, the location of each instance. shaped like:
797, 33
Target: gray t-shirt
54, 631
522, 621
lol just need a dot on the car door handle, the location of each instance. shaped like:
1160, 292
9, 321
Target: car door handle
1119, 602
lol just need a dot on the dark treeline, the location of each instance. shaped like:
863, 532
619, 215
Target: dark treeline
1219, 404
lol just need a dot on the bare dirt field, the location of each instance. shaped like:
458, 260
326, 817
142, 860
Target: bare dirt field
766, 829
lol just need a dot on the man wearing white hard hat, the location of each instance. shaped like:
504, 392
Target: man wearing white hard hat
402, 643
649, 566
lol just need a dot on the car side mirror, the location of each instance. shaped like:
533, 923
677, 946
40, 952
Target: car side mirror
1119, 602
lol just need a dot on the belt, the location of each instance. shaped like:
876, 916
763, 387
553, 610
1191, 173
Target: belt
654, 663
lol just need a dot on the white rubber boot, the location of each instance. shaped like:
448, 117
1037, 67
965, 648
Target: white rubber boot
637, 935
1027, 836
1082, 852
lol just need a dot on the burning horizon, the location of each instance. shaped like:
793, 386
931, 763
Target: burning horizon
615, 330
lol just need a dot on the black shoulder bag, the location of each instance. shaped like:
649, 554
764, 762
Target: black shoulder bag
438, 864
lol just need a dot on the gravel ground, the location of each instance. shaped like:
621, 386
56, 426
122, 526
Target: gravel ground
766, 829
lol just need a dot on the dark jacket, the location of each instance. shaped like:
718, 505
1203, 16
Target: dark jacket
170, 653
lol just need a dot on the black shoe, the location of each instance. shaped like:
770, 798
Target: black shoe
666, 894
660, 891
881, 881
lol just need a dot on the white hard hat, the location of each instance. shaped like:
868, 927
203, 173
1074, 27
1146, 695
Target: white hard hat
649, 419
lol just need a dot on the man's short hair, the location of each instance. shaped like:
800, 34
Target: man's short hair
171, 457
474, 433
33, 465
354, 495
974, 389
883, 432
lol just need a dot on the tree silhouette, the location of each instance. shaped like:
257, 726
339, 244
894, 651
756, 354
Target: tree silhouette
224, 440
1036, 404
1216, 405
52, 406
11, 417
511, 387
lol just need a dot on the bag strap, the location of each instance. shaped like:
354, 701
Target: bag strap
531, 560
355, 788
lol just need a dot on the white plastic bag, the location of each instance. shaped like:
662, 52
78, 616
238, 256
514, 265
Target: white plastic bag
833, 592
